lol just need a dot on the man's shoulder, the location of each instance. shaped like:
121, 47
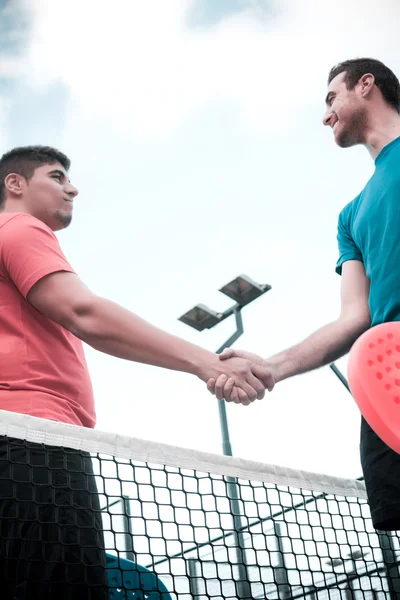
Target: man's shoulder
21, 222
348, 210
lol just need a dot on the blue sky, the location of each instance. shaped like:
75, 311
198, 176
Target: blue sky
196, 142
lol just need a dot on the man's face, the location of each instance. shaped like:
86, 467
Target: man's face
49, 196
345, 113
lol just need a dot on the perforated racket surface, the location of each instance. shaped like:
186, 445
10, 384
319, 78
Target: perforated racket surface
374, 379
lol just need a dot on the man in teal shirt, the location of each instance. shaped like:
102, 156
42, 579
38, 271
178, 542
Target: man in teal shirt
369, 231
362, 107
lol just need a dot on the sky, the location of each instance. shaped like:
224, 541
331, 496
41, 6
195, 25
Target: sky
196, 138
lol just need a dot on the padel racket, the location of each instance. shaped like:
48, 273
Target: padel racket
374, 379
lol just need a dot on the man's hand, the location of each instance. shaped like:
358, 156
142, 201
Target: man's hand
224, 387
241, 380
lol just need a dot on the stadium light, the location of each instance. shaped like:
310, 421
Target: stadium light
201, 317
244, 290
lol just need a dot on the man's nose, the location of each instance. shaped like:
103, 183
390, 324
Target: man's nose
71, 190
327, 117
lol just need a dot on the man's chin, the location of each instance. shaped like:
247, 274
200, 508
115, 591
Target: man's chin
345, 141
62, 219
346, 138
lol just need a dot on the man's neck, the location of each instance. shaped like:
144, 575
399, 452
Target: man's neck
381, 132
13, 207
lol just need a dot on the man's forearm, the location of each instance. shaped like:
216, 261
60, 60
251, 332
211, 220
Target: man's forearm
321, 348
112, 329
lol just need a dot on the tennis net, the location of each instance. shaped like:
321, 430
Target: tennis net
183, 524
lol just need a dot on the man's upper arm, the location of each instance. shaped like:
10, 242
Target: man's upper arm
62, 297
355, 283
355, 291
29, 250
348, 249
31, 258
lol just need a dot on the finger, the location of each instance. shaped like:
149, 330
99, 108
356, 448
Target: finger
264, 375
243, 397
248, 390
228, 387
219, 386
211, 386
258, 385
235, 396
227, 353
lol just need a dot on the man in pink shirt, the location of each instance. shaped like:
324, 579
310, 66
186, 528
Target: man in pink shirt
51, 542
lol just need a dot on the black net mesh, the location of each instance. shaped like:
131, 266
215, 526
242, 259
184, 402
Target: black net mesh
80, 523
210, 536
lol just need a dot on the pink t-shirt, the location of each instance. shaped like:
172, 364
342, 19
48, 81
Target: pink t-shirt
43, 370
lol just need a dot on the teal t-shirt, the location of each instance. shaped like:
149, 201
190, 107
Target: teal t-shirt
369, 231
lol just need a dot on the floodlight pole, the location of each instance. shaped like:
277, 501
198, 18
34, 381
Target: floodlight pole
243, 583
340, 376
243, 586
226, 442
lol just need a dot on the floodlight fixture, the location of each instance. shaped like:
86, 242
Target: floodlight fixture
244, 290
201, 317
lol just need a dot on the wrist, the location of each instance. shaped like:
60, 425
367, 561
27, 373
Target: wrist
281, 367
200, 362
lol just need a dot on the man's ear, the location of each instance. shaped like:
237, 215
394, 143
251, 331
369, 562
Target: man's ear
14, 184
366, 83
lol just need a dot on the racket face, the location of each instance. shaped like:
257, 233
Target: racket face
374, 379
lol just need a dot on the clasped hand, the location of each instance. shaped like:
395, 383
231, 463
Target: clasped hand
243, 378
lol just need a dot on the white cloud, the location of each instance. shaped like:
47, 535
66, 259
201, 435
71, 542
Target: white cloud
139, 61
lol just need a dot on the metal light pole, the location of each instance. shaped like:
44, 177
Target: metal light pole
243, 290
340, 376
223, 419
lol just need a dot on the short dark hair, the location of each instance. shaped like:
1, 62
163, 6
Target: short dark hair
385, 79
25, 159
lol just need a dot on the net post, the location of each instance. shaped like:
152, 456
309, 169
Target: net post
311, 592
348, 591
243, 586
193, 578
280, 570
127, 514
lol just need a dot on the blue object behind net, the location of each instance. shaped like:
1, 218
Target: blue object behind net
130, 581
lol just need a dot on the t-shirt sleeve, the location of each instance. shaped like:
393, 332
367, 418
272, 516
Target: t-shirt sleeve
348, 249
29, 250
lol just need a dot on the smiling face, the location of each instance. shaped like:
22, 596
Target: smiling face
346, 112
48, 195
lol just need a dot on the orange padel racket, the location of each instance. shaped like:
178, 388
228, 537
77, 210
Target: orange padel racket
374, 378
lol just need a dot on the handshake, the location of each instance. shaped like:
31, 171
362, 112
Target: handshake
240, 377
